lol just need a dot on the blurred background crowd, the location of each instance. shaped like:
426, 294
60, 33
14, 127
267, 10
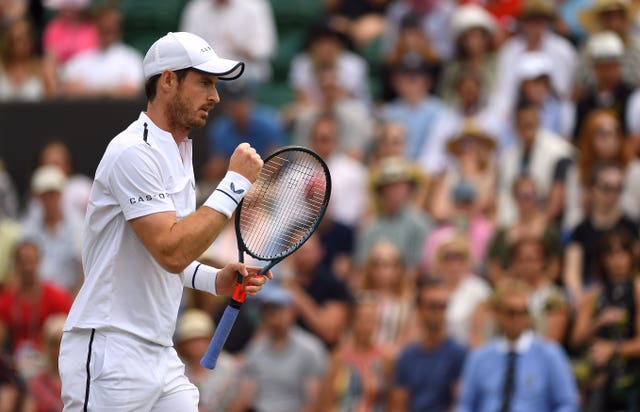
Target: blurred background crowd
481, 248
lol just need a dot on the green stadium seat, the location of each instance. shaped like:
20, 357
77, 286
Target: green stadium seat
147, 20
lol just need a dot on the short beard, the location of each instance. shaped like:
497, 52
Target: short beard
178, 114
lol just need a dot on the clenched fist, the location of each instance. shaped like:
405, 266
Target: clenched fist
246, 161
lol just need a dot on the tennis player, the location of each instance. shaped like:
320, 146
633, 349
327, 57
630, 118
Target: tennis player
142, 237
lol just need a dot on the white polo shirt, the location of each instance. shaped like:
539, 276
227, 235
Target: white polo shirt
125, 288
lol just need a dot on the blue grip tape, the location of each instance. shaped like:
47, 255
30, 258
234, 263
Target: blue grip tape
220, 337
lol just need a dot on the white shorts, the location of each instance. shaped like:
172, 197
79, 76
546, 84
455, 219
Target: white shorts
113, 371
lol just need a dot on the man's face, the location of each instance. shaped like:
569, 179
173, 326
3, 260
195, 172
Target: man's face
614, 20
608, 73
527, 122
192, 99
533, 27
529, 262
432, 307
607, 188
277, 319
323, 137
513, 315
26, 261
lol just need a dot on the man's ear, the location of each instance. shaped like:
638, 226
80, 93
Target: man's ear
167, 81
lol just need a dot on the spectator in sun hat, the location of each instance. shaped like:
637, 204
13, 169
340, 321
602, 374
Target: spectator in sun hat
219, 390
472, 152
396, 218
610, 90
56, 231
618, 17
534, 85
535, 34
474, 33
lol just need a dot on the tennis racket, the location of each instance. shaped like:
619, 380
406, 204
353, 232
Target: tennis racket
278, 214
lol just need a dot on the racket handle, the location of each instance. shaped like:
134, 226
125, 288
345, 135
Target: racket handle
220, 337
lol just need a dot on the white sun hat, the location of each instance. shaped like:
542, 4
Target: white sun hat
471, 16
182, 50
605, 45
533, 64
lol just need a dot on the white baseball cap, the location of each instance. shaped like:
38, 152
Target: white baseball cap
534, 64
47, 179
470, 16
605, 45
182, 50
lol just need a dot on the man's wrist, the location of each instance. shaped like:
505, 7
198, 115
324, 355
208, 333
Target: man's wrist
229, 193
201, 277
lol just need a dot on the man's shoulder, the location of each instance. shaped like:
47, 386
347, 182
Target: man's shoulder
549, 350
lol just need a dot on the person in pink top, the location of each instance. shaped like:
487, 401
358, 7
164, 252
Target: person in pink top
70, 31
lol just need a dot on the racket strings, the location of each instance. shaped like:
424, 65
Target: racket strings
283, 205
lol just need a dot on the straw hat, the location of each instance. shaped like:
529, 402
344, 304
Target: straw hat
194, 323
590, 18
537, 8
392, 170
470, 133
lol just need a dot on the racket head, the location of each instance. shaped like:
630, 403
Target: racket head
284, 205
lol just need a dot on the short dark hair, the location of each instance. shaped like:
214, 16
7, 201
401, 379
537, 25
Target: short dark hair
150, 86
599, 168
428, 283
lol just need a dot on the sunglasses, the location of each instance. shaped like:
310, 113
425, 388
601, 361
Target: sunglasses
454, 256
514, 312
435, 306
525, 196
610, 188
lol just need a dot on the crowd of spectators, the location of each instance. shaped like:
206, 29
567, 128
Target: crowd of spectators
481, 249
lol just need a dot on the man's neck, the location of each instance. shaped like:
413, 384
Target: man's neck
434, 338
160, 118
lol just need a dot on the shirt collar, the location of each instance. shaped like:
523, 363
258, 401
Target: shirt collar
164, 139
520, 346
156, 131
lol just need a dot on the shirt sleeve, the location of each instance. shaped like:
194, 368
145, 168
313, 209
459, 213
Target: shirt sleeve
401, 376
137, 185
561, 170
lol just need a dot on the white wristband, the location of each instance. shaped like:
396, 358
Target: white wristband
200, 277
229, 193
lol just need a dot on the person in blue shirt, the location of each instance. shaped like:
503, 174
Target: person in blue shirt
420, 112
427, 372
243, 120
518, 371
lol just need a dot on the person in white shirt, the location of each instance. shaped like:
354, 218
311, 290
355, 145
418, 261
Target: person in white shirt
240, 29
535, 35
538, 153
112, 70
142, 237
